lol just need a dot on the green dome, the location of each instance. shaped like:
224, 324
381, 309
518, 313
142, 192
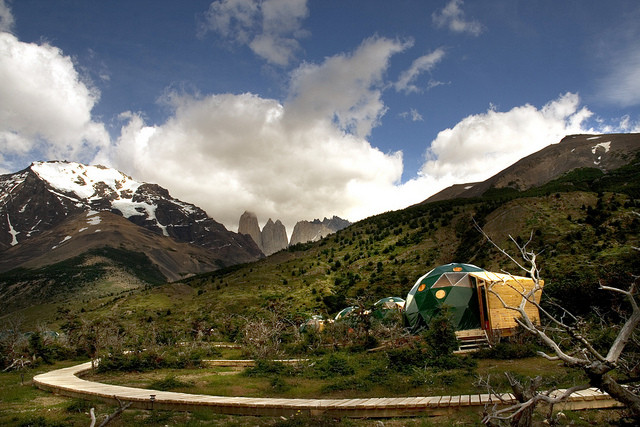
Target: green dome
447, 285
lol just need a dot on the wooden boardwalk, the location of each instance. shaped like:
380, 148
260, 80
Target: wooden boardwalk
66, 382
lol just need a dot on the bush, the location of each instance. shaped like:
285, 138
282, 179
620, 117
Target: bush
405, 359
265, 368
334, 365
441, 335
169, 383
149, 360
279, 385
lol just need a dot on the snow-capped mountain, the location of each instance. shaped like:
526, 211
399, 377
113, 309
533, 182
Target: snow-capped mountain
42, 196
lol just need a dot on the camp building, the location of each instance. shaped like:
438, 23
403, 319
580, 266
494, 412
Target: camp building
468, 292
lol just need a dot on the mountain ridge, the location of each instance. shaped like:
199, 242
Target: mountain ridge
603, 151
44, 194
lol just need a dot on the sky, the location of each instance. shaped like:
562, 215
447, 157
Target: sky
304, 109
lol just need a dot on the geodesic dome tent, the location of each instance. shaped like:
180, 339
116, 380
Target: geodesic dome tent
345, 312
386, 305
315, 322
469, 292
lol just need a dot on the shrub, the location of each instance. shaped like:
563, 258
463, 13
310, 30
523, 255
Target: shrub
264, 368
441, 336
279, 385
334, 365
149, 360
169, 383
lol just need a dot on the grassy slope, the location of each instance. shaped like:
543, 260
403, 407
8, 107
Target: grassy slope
585, 225
581, 234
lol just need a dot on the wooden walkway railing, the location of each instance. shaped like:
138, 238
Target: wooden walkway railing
66, 382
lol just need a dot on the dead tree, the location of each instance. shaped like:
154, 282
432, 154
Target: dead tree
111, 417
583, 354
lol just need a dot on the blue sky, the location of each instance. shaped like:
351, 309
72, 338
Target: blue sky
297, 109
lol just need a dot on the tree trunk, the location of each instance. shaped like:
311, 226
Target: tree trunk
607, 384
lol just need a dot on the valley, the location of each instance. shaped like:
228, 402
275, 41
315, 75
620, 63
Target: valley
583, 223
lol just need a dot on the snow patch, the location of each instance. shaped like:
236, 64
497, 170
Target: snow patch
72, 177
605, 145
92, 218
82, 229
13, 232
468, 187
63, 240
594, 137
129, 209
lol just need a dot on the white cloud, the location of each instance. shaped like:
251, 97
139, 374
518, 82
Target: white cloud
269, 27
6, 17
303, 159
452, 17
345, 88
481, 145
228, 153
46, 108
621, 85
406, 82
412, 114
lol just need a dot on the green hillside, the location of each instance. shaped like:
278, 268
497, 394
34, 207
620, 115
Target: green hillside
583, 224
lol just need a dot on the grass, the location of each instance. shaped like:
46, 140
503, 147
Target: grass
22, 405
370, 379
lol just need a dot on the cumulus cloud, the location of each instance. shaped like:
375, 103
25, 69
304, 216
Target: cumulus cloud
406, 82
301, 159
483, 144
345, 88
46, 107
6, 17
228, 153
453, 18
269, 27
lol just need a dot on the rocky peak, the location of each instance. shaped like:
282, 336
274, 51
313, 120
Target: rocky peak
274, 237
248, 224
42, 196
312, 231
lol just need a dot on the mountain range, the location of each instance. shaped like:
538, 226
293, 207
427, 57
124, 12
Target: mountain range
273, 236
60, 216
47, 206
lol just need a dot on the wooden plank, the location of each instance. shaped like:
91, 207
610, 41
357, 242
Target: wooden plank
444, 401
65, 382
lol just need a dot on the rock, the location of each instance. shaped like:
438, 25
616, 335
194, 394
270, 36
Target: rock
305, 231
274, 237
249, 225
